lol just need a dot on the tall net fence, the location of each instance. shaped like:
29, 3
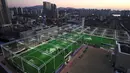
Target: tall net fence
40, 53
46, 53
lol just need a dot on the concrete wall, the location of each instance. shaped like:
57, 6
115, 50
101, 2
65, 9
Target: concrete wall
122, 60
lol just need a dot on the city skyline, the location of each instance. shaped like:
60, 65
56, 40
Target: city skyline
96, 4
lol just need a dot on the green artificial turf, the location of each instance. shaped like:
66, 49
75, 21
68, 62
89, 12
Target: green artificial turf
40, 55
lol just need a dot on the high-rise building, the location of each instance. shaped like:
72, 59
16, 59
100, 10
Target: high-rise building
49, 10
125, 13
4, 13
11, 14
20, 10
54, 10
15, 10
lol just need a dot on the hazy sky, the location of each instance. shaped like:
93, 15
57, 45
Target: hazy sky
113, 4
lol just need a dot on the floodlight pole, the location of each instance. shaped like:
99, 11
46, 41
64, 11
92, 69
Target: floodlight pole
83, 22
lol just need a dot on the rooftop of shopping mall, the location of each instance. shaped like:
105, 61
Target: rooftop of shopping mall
45, 52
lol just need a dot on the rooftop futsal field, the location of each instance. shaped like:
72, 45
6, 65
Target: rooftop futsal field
40, 56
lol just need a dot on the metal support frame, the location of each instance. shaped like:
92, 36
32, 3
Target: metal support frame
104, 32
29, 63
128, 36
93, 31
115, 34
53, 57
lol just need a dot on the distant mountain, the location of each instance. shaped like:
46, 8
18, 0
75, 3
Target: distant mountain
41, 7
35, 7
65, 8
38, 6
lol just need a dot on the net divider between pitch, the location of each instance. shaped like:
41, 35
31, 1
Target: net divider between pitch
31, 48
53, 57
35, 66
57, 54
43, 52
16, 66
36, 46
39, 45
39, 60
